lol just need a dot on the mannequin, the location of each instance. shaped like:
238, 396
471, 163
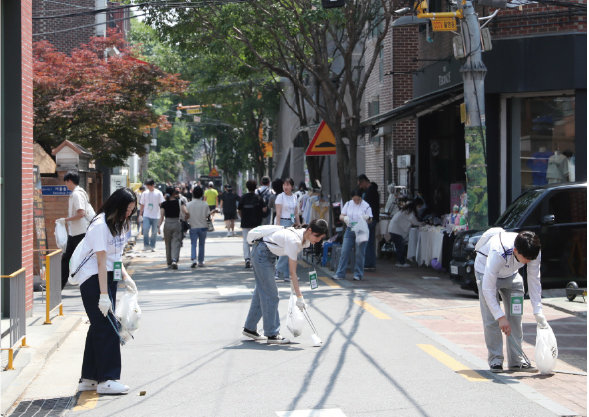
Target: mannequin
558, 168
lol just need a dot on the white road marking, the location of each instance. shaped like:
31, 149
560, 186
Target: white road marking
325, 412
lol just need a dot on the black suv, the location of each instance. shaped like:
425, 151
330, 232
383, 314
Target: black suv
555, 212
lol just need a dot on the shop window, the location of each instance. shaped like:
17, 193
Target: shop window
543, 140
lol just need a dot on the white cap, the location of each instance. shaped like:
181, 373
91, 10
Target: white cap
211, 184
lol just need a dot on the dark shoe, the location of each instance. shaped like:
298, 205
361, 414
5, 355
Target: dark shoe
277, 340
496, 368
253, 335
174, 265
248, 264
524, 367
193, 265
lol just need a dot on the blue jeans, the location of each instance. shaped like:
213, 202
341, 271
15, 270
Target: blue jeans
348, 244
265, 298
200, 234
370, 258
282, 265
149, 223
400, 247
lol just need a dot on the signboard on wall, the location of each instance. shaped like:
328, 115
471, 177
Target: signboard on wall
55, 190
39, 219
117, 181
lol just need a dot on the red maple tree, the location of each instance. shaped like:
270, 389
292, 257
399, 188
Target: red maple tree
97, 101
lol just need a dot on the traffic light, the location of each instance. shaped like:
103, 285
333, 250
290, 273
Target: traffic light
328, 4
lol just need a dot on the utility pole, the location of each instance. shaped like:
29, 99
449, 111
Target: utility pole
473, 76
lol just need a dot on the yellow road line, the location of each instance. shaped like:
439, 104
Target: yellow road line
453, 364
372, 310
331, 283
86, 401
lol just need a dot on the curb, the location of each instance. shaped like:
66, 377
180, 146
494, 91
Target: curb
29, 361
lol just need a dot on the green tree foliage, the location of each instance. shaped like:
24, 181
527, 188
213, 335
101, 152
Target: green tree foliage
164, 165
325, 54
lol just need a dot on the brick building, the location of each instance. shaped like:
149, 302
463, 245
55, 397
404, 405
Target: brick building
535, 99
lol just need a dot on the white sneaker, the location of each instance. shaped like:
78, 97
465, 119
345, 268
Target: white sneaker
398, 265
277, 340
153, 249
111, 387
228, 234
87, 385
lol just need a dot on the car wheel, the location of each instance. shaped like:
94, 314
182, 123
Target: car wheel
573, 286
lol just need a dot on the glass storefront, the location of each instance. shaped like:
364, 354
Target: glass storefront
542, 131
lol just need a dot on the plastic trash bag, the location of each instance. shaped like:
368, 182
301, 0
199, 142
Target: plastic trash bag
128, 313
546, 350
295, 320
361, 230
61, 235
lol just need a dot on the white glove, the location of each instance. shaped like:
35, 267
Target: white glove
104, 304
541, 320
301, 303
130, 284
347, 220
366, 217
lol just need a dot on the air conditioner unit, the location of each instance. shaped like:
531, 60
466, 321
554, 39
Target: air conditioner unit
403, 161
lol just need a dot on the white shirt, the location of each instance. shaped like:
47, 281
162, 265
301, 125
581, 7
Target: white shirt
286, 242
150, 201
356, 211
99, 238
289, 205
402, 222
77, 201
500, 263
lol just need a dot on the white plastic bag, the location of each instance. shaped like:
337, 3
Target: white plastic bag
295, 320
128, 311
61, 234
546, 350
361, 230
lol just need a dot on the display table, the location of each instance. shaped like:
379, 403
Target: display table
429, 245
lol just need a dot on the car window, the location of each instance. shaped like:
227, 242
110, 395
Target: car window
569, 206
511, 217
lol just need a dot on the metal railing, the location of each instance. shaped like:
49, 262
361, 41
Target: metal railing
18, 324
53, 284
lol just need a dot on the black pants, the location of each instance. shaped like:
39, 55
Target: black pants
102, 354
72, 242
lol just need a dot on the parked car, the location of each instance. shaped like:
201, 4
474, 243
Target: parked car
555, 212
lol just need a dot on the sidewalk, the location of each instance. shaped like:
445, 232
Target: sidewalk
431, 300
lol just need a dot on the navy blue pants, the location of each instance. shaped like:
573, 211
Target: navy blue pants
102, 354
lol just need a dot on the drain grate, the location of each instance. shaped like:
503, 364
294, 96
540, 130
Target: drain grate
52, 407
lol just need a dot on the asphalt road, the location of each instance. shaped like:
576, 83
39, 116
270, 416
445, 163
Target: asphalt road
190, 359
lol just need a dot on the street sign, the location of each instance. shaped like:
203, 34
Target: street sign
444, 24
214, 173
196, 110
55, 190
323, 142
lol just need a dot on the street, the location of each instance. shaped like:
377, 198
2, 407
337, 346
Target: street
189, 358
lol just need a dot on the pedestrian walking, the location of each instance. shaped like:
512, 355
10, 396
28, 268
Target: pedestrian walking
353, 211
264, 305
199, 212
170, 212
372, 197
212, 198
76, 220
138, 193
150, 211
265, 192
229, 207
399, 228
287, 214
251, 211
276, 189
496, 268
99, 277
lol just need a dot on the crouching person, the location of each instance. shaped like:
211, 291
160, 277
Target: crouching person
288, 242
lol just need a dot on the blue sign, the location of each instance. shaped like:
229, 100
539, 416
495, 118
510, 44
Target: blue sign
55, 190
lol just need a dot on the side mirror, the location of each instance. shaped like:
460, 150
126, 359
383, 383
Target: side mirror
548, 219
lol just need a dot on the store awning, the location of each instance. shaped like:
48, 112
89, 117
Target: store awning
417, 107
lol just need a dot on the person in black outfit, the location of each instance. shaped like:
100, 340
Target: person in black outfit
371, 196
229, 206
170, 211
251, 210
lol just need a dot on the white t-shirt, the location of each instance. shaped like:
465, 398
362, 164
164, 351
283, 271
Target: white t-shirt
289, 205
500, 263
77, 201
286, 242
402, 222
150, 201
99, 238
356, 211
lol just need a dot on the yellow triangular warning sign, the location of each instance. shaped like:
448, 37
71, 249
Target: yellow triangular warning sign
323, 142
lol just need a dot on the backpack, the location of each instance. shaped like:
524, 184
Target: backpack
265, 198
90, 213
486, 237
257, 233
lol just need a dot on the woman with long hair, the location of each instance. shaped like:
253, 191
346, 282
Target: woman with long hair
99, 277
287, 214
